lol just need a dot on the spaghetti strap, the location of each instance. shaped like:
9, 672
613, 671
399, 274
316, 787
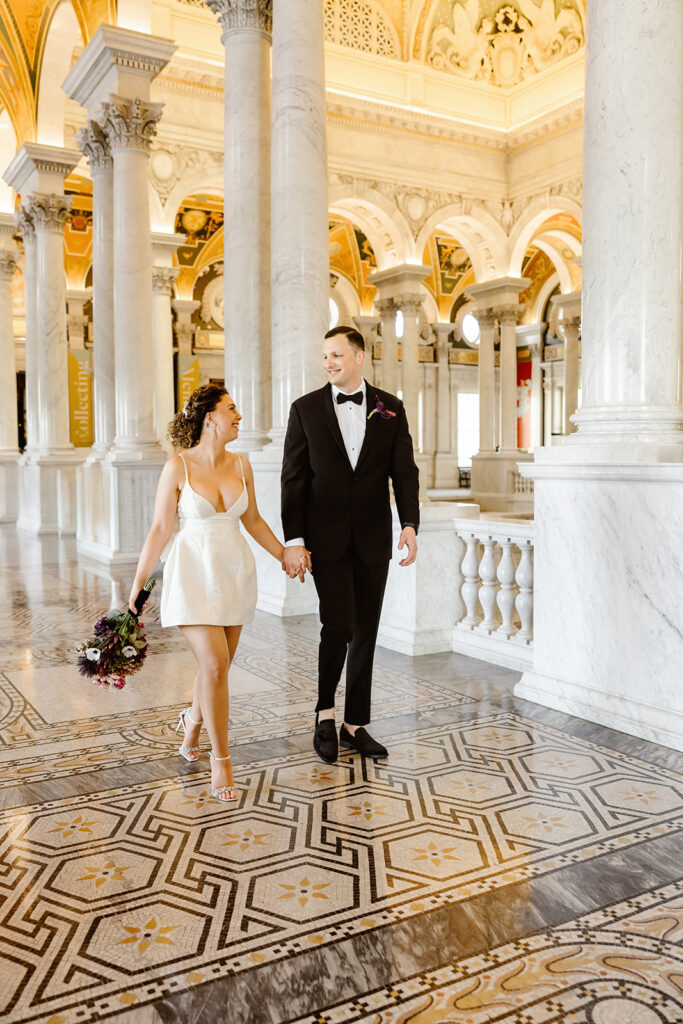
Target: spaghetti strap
244, 482
187, 478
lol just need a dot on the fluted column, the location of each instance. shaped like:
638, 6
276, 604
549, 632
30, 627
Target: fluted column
299, 236
410, 306
93, 143
532, 336
9, 439
49, 213
569, 326
386, 310
28, 234
247, 26
129, 126
162, 291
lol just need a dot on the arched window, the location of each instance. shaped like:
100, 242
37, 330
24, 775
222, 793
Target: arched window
360, 25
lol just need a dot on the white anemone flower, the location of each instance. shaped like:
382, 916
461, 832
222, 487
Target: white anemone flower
129, 652
92, 653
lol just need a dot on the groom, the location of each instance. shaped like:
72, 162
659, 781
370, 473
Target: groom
343, 444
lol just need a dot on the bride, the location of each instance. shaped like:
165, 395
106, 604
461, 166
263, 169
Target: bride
209, 588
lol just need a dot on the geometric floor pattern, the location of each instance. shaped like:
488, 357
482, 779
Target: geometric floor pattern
505, 863
620, 965
98, 891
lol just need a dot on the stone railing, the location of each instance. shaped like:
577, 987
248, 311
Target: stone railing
522, 484
497, 591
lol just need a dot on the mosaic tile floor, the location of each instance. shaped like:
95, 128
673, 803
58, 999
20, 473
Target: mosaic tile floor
505, 864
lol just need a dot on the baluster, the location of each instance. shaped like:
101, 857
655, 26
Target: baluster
470, 588
487, 591
525, 598
506, 594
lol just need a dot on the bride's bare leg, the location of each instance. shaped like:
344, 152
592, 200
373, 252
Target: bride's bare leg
210, 648
192, 731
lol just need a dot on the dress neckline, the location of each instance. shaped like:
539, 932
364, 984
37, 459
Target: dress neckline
215, 510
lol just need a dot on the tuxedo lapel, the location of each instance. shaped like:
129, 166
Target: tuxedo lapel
370, 424
330, 418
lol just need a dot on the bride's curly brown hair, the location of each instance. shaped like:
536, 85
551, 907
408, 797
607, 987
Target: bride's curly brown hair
185, 429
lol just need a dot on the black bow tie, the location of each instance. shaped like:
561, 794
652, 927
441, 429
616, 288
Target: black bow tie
357, 397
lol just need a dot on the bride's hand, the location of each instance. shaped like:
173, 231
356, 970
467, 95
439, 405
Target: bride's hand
131, 600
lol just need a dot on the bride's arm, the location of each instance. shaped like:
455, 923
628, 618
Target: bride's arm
165, 509
254, 524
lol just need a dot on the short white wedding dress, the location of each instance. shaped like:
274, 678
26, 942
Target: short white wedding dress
209, 573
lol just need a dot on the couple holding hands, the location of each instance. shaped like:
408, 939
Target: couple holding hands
344, 443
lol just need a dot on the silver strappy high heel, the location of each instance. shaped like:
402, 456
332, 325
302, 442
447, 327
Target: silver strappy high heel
189, 753
224, 793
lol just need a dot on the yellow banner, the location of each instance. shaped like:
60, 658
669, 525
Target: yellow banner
80, 398
188, 377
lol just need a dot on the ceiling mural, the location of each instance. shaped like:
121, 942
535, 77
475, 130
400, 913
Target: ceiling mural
498, 43
452, 271
200, 219
352, 256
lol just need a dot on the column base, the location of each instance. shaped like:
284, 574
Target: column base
115, 507
422, 601
647, 434
608, 645
277, 594
134, 453
250, 442
9, 485
47, 491
425, 464
494, 476
446, 470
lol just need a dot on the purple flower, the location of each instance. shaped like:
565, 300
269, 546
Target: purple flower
381, 408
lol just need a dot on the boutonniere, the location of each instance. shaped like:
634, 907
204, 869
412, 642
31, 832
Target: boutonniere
381, 408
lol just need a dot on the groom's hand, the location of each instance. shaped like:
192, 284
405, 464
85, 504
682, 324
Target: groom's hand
408, 539
296, 561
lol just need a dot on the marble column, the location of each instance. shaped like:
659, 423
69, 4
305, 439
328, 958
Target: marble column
246, 37
184, 328
299, 237
508, 317
32, 396
532, 336
569, 325
386, 309
129, 126
608, 644
368, 325
93, 143
410, 306
164, 404
446, 460
76, 320
486, 379
9, 437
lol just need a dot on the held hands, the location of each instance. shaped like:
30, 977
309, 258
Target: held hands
408, 539
296, 561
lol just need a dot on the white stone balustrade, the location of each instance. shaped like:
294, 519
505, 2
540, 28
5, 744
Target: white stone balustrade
496, 575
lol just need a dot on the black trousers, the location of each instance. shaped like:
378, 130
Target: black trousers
350, 595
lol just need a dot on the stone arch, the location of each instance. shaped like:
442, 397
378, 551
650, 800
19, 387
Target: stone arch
382, 223
207, 178
549, 286
8, 147
478, 232
558, 261
63, 35
528, 224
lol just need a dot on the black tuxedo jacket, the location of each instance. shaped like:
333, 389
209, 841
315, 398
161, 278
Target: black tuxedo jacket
330, 504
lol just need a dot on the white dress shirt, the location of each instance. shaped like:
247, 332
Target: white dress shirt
352, 419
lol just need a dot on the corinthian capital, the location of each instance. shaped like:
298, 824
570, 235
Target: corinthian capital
48, 210
243, 14
163, 278
93, 143
130, 124
25, 225
8, 264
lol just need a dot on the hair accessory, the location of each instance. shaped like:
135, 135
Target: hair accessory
185, 412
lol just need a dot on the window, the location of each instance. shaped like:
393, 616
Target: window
470, 329
399, 323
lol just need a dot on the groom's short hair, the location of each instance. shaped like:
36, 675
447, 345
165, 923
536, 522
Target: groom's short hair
354, 337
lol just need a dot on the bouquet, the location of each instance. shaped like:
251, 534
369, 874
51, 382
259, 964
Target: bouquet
119, 646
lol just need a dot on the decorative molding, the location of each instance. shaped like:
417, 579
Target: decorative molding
360, 25
93, 143
25, 226
238, 15
163, 278
518, 41
8, 264
49, 211
184, 160
130, 124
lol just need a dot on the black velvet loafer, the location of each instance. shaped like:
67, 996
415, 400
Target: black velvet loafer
325, 740
362, 741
